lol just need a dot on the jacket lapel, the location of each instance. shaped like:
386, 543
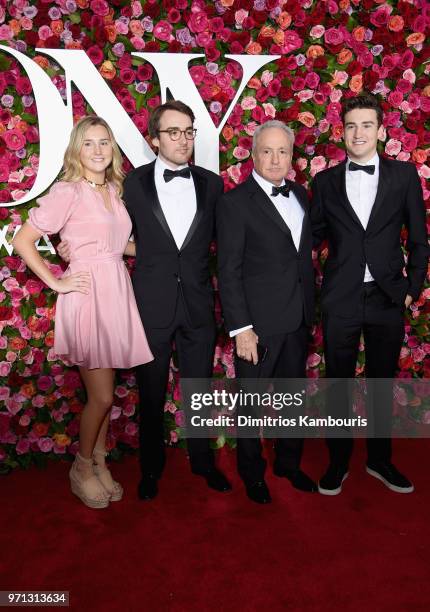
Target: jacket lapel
267, 206
381, 192
339, 182
150, 193
303, 203
200, 185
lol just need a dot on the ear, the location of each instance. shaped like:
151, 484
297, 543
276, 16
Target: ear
382, 134
155, 142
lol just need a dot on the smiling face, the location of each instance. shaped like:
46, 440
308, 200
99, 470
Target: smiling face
96, 153
361, 133
272, 155
174, 152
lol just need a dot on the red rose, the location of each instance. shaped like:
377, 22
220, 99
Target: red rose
23, 86
14, 139
6, 313
32, 134
145, 72
127, 76
95, 54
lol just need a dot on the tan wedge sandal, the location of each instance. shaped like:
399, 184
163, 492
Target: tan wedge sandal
103, 474
87, 489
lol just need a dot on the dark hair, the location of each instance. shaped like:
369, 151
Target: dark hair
364, 101
176, 105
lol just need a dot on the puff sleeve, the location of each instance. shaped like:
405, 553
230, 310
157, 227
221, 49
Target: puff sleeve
55, 208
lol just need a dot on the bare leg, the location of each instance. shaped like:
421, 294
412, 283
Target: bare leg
114, 488
99, 386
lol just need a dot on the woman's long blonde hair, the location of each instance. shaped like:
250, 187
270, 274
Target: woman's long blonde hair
72, 167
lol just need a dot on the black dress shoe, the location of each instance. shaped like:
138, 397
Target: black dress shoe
216, 480
390, 476
298, 479
258, 492
148, 488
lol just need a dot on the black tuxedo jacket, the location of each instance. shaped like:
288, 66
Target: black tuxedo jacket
263, 280
398, 202
162, 270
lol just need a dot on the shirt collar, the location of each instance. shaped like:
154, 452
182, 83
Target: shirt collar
265, 185
374, 161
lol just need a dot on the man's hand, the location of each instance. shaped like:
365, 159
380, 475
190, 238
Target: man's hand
408, 301
246, 345
64, 250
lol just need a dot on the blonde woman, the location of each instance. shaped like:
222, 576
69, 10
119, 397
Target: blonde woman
97, 324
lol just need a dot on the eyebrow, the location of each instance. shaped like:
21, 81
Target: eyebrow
370, 122
175, 127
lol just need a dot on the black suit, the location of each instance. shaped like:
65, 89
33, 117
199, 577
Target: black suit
175, 299
350, 306
265, 282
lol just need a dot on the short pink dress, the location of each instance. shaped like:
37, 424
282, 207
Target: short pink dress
101, 329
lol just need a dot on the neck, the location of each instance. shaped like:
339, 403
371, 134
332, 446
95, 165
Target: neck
96, 177
169, 163
361, 160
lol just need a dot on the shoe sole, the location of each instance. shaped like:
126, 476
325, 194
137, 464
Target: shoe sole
388, 484
333, 491
95, 505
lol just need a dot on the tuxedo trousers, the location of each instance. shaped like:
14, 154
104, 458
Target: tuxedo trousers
195, 348
381, 322
286, 358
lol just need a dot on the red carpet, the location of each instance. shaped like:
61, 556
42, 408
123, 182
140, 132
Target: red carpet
192, 549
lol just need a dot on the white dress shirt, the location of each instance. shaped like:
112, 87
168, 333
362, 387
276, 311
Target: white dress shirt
177, 199
361, 190
291, 212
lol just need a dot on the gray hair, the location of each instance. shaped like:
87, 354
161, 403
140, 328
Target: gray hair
273, 123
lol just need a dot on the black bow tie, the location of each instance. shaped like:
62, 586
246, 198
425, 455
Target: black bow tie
171, 174
369, 169
283, 189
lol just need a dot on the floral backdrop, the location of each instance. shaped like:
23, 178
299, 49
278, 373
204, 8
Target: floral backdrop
329, 50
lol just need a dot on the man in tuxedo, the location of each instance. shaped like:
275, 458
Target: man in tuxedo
172, 207
360, 206
266, 284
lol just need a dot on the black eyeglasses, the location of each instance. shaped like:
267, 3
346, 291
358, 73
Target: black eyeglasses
175, 133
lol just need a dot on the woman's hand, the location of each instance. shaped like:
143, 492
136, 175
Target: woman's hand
79, 281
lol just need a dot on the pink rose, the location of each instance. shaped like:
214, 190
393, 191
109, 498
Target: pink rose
393, 147
203, 39
380, 17
291, 41
240, 153
163, 31
425, 104
14, 139
312, 80
100, 7
44, 383
333, 36
198, 22
298, 84
34, 286
317, 31
395, 98
313, 360
197, 74
23, 446
409, 141
46, 444
318, 163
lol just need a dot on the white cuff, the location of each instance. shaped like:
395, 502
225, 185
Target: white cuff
234, 332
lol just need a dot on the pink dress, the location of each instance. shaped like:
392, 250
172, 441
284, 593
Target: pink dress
102, 329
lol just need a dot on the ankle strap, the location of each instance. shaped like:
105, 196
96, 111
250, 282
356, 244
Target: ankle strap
80, 458
98, 451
